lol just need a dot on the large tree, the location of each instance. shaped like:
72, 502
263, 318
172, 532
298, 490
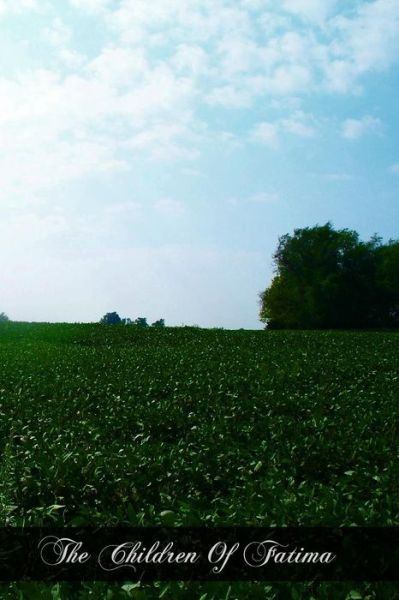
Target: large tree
387, 305
327, 278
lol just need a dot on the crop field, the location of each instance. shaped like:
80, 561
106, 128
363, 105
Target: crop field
182, 426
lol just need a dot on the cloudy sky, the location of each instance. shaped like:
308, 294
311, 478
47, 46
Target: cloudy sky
151, 153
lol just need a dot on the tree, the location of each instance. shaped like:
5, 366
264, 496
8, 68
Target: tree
160, 323
3, 318
111, 319
141, 322
126, 321
387, 309
331, 279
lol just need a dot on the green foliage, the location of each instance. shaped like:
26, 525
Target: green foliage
114, 319
123, 425
111, 319
159, 323
327, 279
141, 322
3, 318
388, 281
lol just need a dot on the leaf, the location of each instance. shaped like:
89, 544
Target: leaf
168, 517
354, 595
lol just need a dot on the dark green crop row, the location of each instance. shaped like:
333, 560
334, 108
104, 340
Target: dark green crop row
183, 426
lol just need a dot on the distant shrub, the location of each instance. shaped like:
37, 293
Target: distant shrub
160, 323
3, 318
141, 322
111, 319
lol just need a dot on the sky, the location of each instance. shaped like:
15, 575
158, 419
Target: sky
151, 153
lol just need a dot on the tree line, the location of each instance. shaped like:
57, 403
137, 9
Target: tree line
328, 279
112, 318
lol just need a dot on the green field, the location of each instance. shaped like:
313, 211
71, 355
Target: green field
183, 426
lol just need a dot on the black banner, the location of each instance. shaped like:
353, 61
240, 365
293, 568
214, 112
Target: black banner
199, 554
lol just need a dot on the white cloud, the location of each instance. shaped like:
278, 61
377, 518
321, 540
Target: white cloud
60, 37
58, 34
90, 6
164, 142
394, 168
72, 59
341, 75
58, 129
265, 133
45, 167
143, 93
299, 124
335, 51
353, 129
191, 59
288, 80
163, 20
325, 49
313, 10
119, 66
12, 7
371, 37
229, 96
365, 42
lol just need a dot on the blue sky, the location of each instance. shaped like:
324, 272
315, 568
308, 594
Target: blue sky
151, 153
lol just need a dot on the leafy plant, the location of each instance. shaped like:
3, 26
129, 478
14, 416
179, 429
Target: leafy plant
185, 426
